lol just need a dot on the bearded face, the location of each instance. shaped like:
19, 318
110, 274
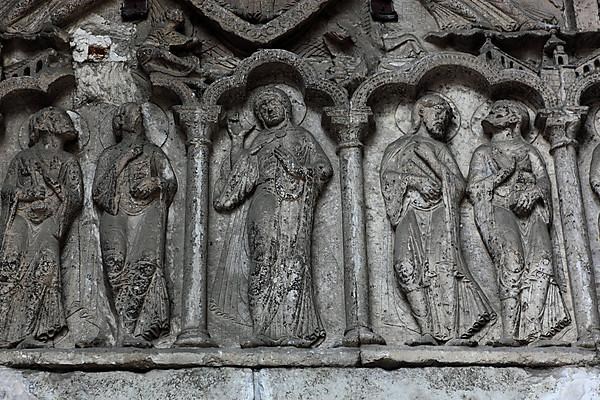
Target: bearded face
436, 119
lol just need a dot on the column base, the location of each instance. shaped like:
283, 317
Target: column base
360, 336
194, 338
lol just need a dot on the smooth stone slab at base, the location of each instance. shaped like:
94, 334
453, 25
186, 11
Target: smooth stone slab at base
389, 357
198, 383
431, 383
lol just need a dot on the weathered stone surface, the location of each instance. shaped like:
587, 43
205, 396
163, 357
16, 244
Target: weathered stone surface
200, 383
472, 383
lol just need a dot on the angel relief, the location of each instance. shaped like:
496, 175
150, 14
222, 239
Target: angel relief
274, 183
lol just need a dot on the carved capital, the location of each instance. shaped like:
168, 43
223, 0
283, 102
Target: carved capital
560, 126
197, 123
348, 127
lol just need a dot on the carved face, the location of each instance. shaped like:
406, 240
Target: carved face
271, 111
128, 120
502, 115
436, 118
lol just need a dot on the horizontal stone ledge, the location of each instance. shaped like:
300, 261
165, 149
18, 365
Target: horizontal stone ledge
389, 357
397, 357
148, 359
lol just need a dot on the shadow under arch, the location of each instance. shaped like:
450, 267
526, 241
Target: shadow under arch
497, 83
272, 67
584, 91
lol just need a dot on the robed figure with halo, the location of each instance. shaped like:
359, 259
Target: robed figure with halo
280, 174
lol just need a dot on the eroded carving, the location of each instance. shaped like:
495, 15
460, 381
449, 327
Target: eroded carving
281, 173
134, 186
423, 187
40, 197
510, 190
499, 15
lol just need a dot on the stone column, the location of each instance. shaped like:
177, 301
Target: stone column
356, 274
561, 127
194, 331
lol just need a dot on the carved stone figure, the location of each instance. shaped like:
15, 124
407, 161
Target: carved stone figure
258, 11
133, 187
168, 52
497, 14
423, 187
281, 173
511, 195
40, 197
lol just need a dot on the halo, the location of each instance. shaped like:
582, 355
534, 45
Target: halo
156, 124
83, 132
403, 116
482, 111
298, 105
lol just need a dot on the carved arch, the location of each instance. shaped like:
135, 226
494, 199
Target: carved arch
497, 82
584, 89
272, 66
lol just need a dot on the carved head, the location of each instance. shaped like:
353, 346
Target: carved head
51, 121
434, 113
128, 120
272, 106
175, 16
507, 114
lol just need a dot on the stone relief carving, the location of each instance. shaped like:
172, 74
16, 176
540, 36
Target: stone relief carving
273, 175
168, 54
510, 190
423, 187
40, 197
500, 15
281, 174
133, 187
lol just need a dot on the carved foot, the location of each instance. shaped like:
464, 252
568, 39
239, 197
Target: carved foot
461, 342
257, 341
100, 340
504, 342
361, 336
549, 343
588, 341
194, 338
31, 343
423, 340
136, 341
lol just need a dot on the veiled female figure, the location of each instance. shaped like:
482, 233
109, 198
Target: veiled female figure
281, 174
41, 195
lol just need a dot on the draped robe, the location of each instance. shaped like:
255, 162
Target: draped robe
278, 227
132, 235
41, 194
520, 245
427, 248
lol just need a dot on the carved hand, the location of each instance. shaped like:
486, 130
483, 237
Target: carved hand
525, 201
235, 131
146, 188
430, 190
